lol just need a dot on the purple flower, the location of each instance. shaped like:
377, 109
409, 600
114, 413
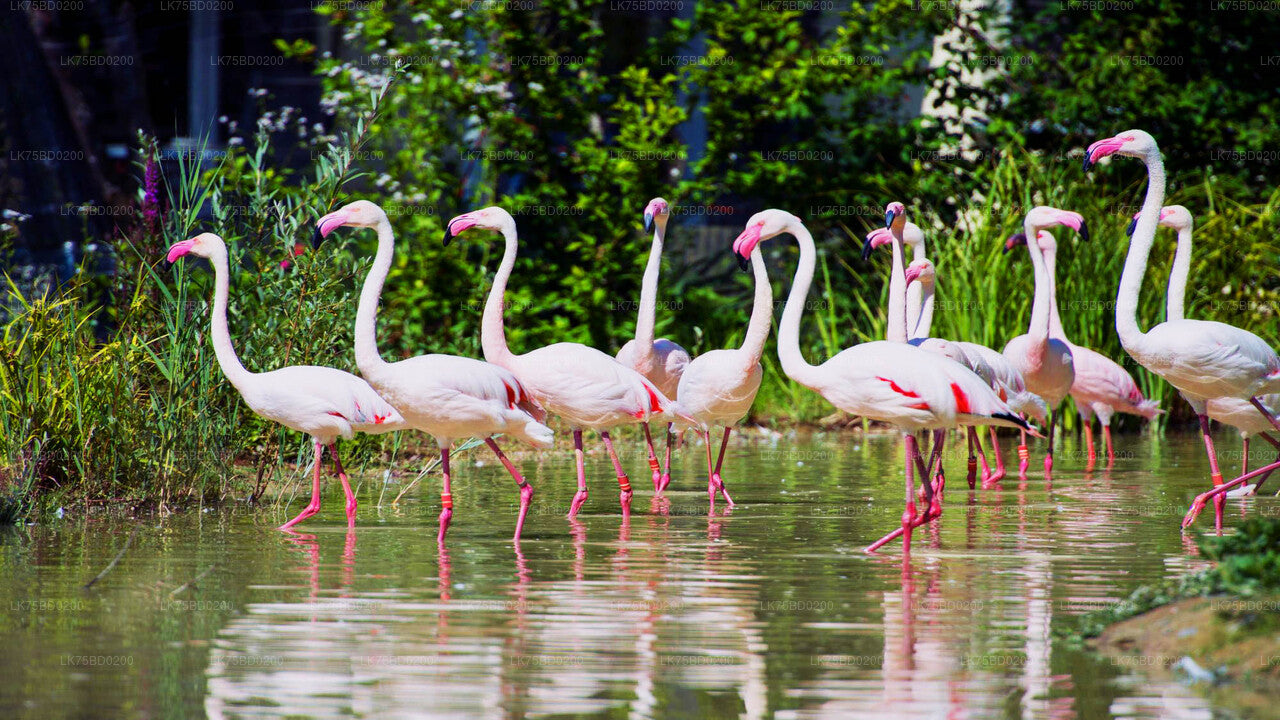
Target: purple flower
151, 194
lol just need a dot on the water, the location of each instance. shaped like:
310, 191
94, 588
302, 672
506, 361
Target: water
771, 610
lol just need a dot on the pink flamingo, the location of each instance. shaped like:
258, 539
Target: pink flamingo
1240, 414
991, 366
584, 386
1045, 361
719, 386
891, 382
322, 402
1204, 360
661, 361
445, 396
1100, 386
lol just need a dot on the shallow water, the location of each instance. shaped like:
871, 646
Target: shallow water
771, 610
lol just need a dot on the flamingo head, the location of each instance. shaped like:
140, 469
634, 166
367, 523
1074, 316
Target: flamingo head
760, 227
656, 209
1015, 240
875, 238
491, 218
1044, 216
203, 245
361, 214
895, 213
1133, 143
921, 270
1175, 217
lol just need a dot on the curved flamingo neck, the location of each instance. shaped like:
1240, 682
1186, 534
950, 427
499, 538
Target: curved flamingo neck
1038, 329
897, 327
645, 318
1176, 302
761, 309
493, 333
367, 357
925, 322
220, 334
1135, 263
915, 299
793, 362
1055, 320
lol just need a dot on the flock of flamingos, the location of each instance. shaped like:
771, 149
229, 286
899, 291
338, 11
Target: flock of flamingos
910, 380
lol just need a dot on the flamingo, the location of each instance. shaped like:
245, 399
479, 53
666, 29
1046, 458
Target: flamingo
1240, 414
718, 386
584, 386
661, 361
1101, 387
895, 383
445, 396
990, 365
1203, 359
1045, 361
322, 402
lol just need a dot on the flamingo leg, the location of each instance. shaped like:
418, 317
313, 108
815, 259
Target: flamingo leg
1111, 452
940, 483
982, 456
715, 476
624, 485
1219, 501
909, 511
346, 486
1244, 463
312, 507
711, 485
1265, 413
446, 495
526, 490
1274, 443
1218, 492
972, 476
1024, 456
995, 451
653, 458
1048, 456
1088, 437
580, 496
666, 463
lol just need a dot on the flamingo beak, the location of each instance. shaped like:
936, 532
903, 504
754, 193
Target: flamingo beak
457, 226
648, 220
889, 216
875, 239
1014, 241
328, 224
1101, 149
912, 273
179, 249
746, 243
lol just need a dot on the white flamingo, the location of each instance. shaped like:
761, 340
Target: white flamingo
661, 361
1045, 361
322, 402
890, 382
445, 396
1100, 387
1202, 359
584, 386
1239, 414
719, 386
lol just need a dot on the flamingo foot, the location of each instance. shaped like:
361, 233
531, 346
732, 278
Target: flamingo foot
1048, 464
664, 481
351, 511
579, 498
307, 512
904, 530
526, 495
445, 516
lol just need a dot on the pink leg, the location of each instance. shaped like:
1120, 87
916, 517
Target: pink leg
711, 484
666, 463
653, 458
446, 496
526, 490
1274, 443
1024, 457
995, 450
1088, 437
1218, 492
1244, 464
982, 457
1111, 454
934, 496
1048, 457
624, 485
580, 496
1262, 409
972, 477
715, 476
1219, 501
346, 486
909, 511
314, 506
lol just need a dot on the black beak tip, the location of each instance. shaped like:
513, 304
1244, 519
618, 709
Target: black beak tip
888, 219
1084, 231
1005, 250
866, 250
448, 236
743, 264
316, 239
648, 222
1087, 162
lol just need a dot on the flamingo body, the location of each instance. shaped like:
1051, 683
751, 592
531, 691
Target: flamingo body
662, 365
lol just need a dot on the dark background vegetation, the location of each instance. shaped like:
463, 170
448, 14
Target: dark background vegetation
572, 115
